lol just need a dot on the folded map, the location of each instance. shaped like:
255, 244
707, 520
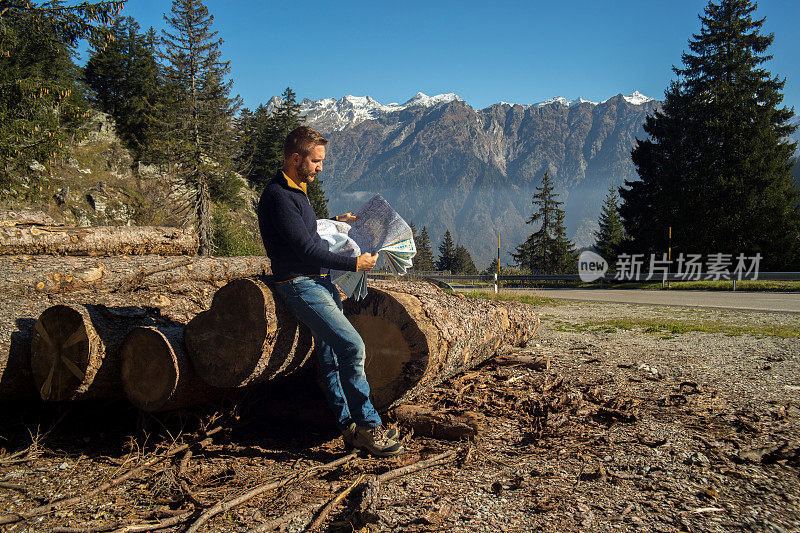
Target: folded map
377, 228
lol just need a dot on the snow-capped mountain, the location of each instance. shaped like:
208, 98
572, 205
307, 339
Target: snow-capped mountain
330, 114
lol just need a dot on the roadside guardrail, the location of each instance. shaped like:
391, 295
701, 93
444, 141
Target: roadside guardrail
493, 279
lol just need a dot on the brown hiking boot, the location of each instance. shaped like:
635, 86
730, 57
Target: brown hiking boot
374, 440
349, 434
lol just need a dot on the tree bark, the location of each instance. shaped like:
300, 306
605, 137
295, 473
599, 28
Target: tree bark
247, 336
45, 274
157, 375
94, 241
416, 336
439, 424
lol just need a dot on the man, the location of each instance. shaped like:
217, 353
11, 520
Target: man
289, 229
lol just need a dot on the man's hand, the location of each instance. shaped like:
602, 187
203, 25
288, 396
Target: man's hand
347, 217
366, 261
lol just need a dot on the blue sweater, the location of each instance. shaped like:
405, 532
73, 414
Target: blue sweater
289, 230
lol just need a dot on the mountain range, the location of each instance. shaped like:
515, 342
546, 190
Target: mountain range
444, 165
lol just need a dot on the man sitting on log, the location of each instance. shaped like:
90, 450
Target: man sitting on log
289, 229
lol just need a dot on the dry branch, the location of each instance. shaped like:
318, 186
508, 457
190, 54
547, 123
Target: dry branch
252, 493
59, 504
326, 510
279, 521
439, 424
539, 364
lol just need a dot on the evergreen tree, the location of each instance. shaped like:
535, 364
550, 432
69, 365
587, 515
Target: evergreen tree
447, 253
424, 261
41, 99
197, 132
317, 198
493, 267
124, 77
462, 262
717, 164
263, 133
611, 233
547, 251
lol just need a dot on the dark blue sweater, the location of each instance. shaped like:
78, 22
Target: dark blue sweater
289, 230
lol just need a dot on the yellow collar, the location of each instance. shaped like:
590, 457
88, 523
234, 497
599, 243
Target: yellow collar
293, 185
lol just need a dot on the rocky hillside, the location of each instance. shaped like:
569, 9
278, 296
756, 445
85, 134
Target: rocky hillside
100, 184
445, 165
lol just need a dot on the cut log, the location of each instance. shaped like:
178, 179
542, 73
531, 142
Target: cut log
157, 375
44, 274
439, 424
416, 336
74, 350
101, 240
26, 217
246, 336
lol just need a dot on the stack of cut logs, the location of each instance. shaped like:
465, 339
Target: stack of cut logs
118, 326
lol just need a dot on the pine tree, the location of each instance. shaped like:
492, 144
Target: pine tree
462, 262
493, 267
262, 136
124, 77
317, 198
717, 165
611, 233
42, 106
447, 253
547, 251
197, 132
424, 261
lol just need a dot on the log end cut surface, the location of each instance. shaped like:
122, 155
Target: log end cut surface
149, 368
399, 342
227, 342
63, 349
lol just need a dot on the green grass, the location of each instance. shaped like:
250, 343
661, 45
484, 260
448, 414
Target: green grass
677, 327
522, 298
666, 328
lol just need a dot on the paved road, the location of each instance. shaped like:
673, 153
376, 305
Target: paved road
751, 301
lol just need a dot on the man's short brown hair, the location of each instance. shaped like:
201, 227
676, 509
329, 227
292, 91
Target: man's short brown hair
302, 141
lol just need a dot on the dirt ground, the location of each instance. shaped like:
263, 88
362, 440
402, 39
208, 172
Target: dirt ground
628, 429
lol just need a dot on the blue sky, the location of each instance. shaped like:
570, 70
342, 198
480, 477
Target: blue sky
523, 52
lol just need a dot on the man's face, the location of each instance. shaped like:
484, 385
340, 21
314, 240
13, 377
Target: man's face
309, 166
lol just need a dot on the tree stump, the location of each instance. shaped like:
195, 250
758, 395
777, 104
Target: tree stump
157, 375
246, 336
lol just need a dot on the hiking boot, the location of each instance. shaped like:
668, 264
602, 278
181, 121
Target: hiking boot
349, 433
375, 441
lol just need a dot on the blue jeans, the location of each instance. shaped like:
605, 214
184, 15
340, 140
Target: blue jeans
315, 302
